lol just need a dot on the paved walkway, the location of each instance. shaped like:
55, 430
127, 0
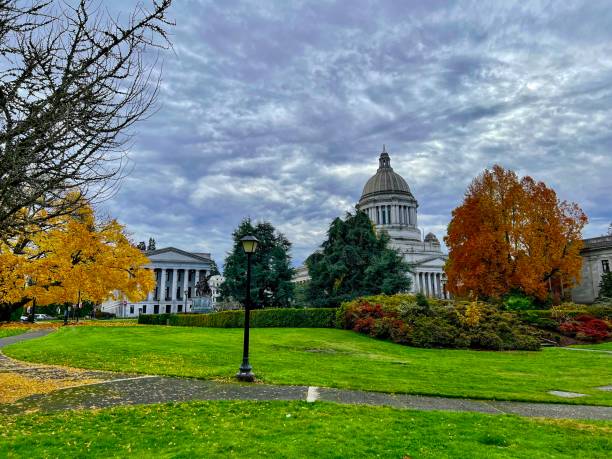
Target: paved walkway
122, 389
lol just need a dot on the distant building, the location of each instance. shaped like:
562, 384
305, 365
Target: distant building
596, 260
301, 275
177, 272
215, 286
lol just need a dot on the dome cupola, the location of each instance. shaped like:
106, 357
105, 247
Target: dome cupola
385, 180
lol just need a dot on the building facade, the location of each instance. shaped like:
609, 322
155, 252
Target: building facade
300, 275
391, 206
596, 261
177, 272
215, 287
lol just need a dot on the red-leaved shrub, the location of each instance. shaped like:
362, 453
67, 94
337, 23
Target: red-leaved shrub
586, 327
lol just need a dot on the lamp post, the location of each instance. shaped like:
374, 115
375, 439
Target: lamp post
185, 298
249, 244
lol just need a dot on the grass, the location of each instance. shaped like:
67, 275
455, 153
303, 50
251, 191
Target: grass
4, 332
602, 346
327, 357
295, 429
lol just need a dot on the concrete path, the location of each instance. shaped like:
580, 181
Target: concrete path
112, 389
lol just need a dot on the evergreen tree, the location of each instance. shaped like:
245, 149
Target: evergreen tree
271, 270
214, 269
605, 285
151, 245
354, 261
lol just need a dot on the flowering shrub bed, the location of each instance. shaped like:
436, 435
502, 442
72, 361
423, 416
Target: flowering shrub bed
582, 323
416, 321
587, 328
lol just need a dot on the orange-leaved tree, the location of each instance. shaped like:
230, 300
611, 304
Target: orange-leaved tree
513, 234
75, 257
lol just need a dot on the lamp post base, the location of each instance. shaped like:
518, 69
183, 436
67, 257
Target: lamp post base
245, 373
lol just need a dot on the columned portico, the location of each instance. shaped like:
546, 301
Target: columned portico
168, 265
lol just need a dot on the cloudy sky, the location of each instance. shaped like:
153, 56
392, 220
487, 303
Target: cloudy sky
279, 110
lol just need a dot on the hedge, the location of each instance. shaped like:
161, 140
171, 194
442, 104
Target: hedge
260, 318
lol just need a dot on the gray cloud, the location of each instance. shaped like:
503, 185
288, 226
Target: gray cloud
278, 110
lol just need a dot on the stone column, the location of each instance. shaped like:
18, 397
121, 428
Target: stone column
439, 284
173, 295
433, 284
185, 286
150, 294
162, 286
415, 287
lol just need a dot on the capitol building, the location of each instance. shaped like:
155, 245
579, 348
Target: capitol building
391, 206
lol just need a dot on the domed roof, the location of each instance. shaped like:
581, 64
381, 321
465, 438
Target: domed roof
431, 237
385, 180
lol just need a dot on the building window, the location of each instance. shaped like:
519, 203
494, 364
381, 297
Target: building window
389, 215
168, 308
144, 308
179, 308
188, 292
178, 293
156, 309
384, 215
605, 266
189, 276
131, 309
167, 276
167, 293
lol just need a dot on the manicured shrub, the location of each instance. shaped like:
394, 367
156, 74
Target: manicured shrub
518, 302
433, 332
260, 318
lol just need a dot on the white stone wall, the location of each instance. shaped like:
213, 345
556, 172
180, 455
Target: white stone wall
592, 269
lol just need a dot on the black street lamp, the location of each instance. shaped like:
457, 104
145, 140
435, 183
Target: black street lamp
185, 298
249, 244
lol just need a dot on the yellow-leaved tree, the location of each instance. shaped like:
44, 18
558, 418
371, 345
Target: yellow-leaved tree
75, 257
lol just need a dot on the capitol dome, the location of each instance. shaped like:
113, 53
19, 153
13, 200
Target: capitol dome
385, 180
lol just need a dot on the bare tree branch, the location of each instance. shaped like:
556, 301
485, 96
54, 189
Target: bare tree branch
73, 81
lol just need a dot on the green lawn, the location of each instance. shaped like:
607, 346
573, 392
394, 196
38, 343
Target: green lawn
327, 357
4, 332
295, 429
603, 346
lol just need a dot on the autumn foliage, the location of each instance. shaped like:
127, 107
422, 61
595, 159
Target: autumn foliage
513, 234
74, 257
